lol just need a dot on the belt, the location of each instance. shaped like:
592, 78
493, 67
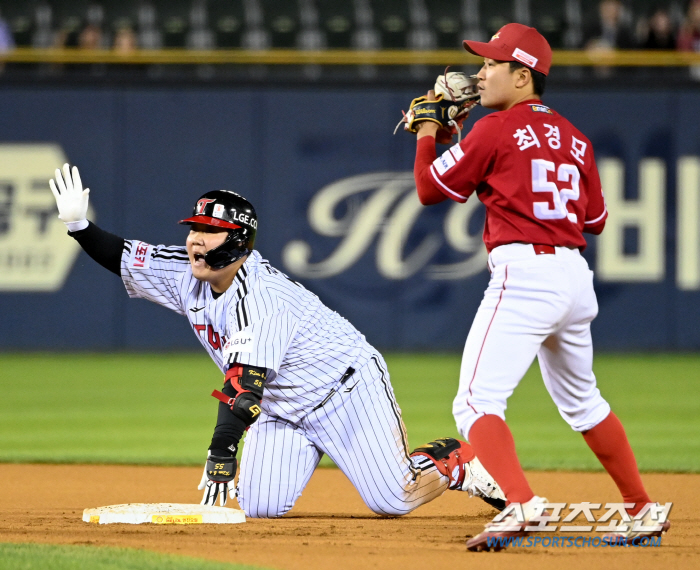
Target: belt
541, 249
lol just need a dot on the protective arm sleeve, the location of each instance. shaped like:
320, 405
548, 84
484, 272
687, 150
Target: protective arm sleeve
105, 248
428, 193
229, 427
244, 387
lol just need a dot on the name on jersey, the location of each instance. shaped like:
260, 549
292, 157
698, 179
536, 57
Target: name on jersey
448, 159
527, 137
213, 337
140, 257
242, 341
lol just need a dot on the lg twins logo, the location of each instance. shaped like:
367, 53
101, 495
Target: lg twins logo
199, 210
383, 207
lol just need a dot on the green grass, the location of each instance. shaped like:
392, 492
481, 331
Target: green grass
102, 408
138, 408
44, 556
655, 396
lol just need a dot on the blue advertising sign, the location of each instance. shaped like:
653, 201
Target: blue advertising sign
337, 210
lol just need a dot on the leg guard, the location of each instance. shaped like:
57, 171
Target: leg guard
449, 456
456, 460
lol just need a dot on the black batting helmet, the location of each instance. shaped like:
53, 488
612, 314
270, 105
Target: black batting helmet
226, 209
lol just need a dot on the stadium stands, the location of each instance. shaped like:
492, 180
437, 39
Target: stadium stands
312, 24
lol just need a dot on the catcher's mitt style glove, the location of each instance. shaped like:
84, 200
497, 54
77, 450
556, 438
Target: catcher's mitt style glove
455, 95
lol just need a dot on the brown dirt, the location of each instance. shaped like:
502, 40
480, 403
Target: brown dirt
329, 527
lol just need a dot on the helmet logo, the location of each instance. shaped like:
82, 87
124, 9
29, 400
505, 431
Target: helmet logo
219, 210
496, 35
199, 209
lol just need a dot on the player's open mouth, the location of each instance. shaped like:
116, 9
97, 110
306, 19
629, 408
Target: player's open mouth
198, 259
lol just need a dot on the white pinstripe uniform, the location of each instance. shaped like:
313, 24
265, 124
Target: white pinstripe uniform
310, 405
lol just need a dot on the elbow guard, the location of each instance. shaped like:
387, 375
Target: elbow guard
247, 408
247, 384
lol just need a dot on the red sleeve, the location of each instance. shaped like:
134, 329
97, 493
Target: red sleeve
428, 193
596, 211
461, 168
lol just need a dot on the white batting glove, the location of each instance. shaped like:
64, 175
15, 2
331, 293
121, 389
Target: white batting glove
71, 199
212, 490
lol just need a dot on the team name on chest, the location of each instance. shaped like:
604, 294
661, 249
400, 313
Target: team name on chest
207, 334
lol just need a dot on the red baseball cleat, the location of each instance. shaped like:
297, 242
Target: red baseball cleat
647, 527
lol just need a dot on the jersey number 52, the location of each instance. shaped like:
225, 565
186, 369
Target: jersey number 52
566, 173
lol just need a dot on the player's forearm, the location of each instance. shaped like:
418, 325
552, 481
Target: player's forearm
229, 428
105, 248
239, 407
428, 193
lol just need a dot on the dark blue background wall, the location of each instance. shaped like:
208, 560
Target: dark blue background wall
147, 154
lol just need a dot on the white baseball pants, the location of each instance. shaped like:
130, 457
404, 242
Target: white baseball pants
361, 430
535, 305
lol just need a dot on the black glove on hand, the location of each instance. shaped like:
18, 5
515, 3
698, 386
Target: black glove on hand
219, 472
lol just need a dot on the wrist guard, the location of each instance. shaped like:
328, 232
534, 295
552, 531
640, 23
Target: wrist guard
221, 469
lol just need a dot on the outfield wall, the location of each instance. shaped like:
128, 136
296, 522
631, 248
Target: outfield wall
334, 194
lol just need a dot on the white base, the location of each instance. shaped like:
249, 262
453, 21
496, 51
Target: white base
163, 513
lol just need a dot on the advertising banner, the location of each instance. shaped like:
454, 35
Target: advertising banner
337, 210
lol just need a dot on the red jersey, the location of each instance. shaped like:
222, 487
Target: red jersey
535, 173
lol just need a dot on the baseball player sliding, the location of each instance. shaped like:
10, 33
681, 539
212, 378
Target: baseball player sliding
301, 377
537, 176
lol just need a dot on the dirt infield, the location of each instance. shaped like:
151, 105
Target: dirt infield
329, 527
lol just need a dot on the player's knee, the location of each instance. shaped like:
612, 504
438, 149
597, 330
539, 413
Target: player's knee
466, 416
585, 417
263, 510
387, 508
256, 506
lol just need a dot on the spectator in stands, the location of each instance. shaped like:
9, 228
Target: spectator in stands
657, 32
125, 40
90, 37
7, 43
609, 31
689, 37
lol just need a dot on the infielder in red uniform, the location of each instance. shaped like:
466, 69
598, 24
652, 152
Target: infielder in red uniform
537, 176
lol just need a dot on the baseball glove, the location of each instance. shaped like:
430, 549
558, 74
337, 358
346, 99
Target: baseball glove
455, 95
